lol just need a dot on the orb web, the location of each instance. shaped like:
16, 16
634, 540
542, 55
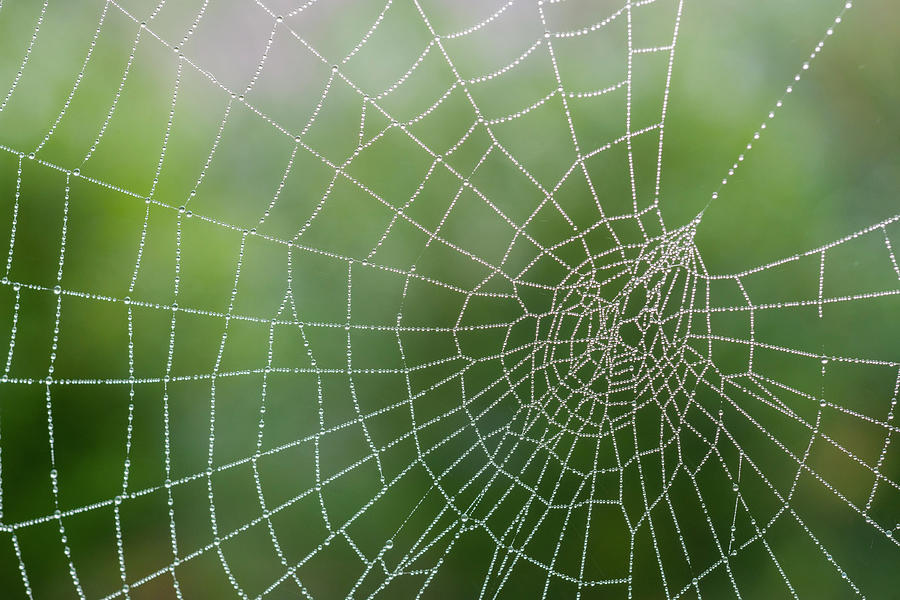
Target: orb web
295, 311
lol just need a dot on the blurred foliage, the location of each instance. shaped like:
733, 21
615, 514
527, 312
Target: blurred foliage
189, 179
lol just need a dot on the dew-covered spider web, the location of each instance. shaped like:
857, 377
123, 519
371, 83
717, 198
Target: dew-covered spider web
409, 299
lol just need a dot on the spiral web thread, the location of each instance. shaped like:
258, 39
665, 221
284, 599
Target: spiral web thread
526, 417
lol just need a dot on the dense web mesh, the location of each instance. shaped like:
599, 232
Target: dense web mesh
378, 299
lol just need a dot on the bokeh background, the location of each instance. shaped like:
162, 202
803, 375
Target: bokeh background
219, 364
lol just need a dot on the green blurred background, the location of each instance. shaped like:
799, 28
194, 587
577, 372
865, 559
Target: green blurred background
249, 382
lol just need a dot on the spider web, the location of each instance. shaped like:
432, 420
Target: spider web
396, 325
